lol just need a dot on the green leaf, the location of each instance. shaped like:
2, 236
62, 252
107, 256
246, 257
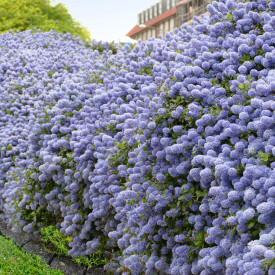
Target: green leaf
182, 197
264, 156
265, 262
200, 193
255, 233
250, 225
69, 155
79, 107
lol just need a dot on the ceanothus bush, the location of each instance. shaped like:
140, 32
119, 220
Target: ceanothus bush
162, 154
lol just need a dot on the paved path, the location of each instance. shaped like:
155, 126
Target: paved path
64, 264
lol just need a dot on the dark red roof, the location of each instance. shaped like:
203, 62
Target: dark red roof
164, 15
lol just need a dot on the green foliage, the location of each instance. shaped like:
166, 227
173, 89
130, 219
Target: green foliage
240, 169
246, 57
41, 214
55, 242
121, 157
51, 73
9, 147
15, 261
27, 14
8, 112
254, 227
197, 196
96, 79
266, 158
186, 121
147, 70
267, 264
67, 156
100, 48
215, 110
195, 240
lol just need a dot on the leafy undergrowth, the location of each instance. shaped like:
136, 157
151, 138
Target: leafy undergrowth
55, 242
15, 261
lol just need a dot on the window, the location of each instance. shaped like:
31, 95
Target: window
191, 10
173, 3
168, 5
172, 24
161, 29
151, 13
160, 7
142, 18
139, 19
166, 29
144, 36
155, 10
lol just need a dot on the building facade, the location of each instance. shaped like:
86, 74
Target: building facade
165, 16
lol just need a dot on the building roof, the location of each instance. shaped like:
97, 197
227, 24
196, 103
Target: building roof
134, 30
167, 13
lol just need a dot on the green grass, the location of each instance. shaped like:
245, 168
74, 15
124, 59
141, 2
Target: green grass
55, 242
16, 261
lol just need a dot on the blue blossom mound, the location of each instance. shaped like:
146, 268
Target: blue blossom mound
163, 155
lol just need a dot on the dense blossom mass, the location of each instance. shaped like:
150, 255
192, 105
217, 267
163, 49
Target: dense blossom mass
163, 155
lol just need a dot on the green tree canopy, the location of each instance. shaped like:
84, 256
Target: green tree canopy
27, 14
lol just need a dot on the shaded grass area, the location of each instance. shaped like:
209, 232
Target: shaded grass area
16, 261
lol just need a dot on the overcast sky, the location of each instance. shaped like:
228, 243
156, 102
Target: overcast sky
107, 19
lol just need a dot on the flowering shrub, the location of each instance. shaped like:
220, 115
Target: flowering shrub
163, 155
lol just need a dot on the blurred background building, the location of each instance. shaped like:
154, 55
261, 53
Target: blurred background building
165, 16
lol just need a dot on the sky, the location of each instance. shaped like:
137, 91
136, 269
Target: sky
107, 20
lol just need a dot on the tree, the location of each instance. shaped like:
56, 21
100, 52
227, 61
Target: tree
26, 14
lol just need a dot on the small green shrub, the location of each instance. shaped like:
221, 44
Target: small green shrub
55, 242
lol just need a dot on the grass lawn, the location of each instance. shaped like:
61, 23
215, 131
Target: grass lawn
18, 262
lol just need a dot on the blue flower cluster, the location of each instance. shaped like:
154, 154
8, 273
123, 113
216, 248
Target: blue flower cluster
163, 154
